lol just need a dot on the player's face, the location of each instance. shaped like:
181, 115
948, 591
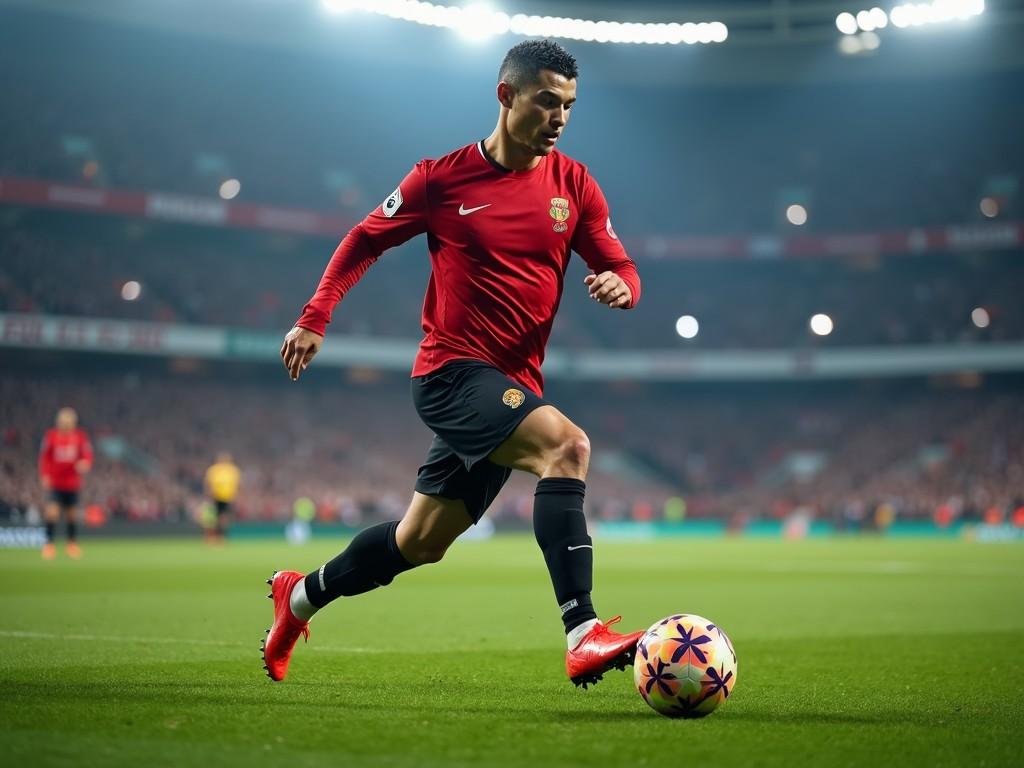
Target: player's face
540, 112
67, 419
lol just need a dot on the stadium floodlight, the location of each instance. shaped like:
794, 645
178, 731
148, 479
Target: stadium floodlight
846, 23
909, 15
687, 326
796, 215
479, 21
719, 32
132, 289
821, 324
870, 20
230, 188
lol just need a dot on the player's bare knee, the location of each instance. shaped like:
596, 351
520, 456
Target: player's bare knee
572, 456
422, 551
420, 546
429, 555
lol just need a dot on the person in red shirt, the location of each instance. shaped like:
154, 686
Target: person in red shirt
502, 217
64, 458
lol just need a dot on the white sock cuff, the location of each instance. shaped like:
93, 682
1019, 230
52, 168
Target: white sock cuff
577, 633
299, 604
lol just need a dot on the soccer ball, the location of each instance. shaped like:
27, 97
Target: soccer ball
685, 666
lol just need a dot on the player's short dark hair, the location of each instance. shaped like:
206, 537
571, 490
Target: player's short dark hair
523, 62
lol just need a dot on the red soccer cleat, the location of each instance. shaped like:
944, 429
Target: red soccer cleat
74, 551
49, 551
284, 633
600, 649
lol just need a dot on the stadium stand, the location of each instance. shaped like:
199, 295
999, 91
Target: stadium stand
837, 452
147, 127
258, 281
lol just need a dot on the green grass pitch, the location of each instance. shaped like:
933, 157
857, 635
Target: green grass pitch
851, 652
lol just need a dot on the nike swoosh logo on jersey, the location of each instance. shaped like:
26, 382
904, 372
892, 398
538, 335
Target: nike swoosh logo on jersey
582, 546
464, 211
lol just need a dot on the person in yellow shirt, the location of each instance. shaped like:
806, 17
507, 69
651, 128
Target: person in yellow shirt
222, 481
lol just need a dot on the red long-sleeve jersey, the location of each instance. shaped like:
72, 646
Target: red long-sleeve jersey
499, 242
59, 455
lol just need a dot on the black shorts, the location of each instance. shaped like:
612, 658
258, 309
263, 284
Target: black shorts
221, 507
472, 408
65, 498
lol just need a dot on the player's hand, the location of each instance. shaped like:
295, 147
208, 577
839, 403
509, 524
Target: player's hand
45, 482
610, 289
298, 350
82, 467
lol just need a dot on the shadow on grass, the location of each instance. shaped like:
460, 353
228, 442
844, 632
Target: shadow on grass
726, 714
594, 716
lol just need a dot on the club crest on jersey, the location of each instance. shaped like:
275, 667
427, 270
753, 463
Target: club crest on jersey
392, 203
513, 398
559, 211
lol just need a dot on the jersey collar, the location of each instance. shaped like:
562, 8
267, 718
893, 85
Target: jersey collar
501, 168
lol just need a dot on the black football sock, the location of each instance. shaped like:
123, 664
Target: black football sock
561, 531
72, 529
371, 560
51, 530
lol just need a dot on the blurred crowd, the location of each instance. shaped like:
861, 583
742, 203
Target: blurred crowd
254, 281
892, 301
208, 278
857, 457
863, 462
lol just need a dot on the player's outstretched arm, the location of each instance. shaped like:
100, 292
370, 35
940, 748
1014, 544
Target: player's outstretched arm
609, 289
299, 347
401, 216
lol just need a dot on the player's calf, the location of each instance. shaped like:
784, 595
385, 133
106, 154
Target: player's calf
372, 559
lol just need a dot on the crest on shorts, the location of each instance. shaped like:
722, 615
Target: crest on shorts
559, 211
513, 398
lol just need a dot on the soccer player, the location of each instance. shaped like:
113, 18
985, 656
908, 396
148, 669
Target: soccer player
502, 216
222, 480
64, 458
